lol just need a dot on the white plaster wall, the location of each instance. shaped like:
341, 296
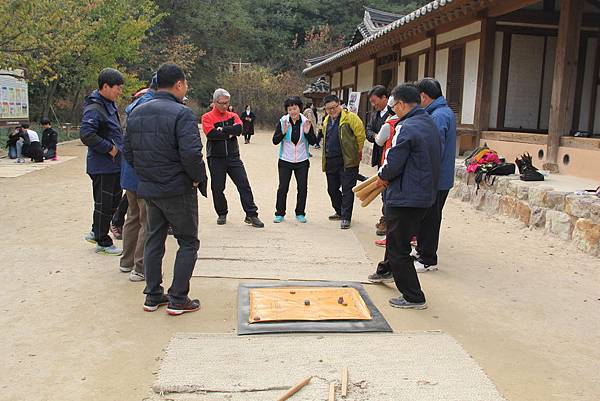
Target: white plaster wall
335, 80
365, 76
496, 80
422, 62
401, 72
408, 50
470, 84
348, 76
524, 83
588, 80
458, 33
441, 68
548, 82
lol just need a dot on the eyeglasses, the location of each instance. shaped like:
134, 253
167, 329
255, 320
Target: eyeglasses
223, 103
331, 108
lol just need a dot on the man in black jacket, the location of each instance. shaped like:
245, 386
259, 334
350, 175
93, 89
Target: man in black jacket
378, 96
164, 148
410, 174
49, 140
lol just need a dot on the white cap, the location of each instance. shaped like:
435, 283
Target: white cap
391, 101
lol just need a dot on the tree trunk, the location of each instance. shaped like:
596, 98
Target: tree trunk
73, 117
49, 98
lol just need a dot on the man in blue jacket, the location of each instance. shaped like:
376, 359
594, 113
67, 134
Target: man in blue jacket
429, 236
101, 132
164, 148
410, 174
134, 229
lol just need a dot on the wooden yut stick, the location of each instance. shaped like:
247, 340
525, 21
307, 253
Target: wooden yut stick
364, 184
331, 391
363, 193
345, 382
372, 196
294, 389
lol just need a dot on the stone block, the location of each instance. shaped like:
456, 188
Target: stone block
538, 217
507, 205
586, 236
559, 224
492, 202
595, 212
523, 212
523, 190
537, 194
478, 198
465, 192
555, 200
511, 189
579, 205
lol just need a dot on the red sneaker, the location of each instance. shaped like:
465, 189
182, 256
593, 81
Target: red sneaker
381, 242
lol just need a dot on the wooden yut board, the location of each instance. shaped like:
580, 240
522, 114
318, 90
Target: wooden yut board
306, 303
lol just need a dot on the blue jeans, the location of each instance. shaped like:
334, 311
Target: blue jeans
12, 152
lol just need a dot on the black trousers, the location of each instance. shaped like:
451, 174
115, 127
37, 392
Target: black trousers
300, 170
344, 178
118, 219
219, 168
247, 136
107, 195
402, 223
181, 212
428, 237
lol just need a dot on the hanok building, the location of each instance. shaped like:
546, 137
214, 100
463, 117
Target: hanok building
521, 75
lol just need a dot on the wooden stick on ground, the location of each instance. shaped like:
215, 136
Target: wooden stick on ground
363, 193
331, 391
345, 382
364, 184
294, 389
372, 196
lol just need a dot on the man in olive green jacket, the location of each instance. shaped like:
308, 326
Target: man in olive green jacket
344, 137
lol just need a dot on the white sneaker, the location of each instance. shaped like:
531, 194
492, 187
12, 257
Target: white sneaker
135, 276
125, 269
414, 253
421, 268
19, 160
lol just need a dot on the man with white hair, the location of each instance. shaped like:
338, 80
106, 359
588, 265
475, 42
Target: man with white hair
222, 128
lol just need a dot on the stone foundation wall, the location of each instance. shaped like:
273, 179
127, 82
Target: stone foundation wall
537, 205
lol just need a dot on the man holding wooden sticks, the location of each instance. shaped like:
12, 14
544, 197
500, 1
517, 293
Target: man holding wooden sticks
410, 174
342, 151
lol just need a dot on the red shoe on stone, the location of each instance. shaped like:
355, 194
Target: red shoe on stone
381, 242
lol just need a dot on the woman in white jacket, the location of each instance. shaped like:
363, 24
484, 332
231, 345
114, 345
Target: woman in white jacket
294, 133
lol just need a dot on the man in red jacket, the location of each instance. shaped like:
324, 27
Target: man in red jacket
222, 128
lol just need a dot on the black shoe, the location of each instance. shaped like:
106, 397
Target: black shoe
345, 224
335, 217
180, 309
255, 221
222, 219
381, 278
151, 306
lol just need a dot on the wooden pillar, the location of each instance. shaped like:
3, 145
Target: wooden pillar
432, 54
565, 78
485, 71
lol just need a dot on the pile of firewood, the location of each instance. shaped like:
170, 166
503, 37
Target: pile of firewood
368, 190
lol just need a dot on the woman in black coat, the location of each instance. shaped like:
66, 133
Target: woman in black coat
248, 118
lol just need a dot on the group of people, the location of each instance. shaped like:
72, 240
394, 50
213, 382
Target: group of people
414, 146
160, 164
25, 142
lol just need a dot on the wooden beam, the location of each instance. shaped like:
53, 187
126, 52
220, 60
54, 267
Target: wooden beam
565, 78
519, 137
591, 20
432, 54
507, 6
506, 44
483, 98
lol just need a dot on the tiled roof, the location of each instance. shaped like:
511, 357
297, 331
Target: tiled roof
407, 19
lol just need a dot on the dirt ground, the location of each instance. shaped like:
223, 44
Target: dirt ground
525, 306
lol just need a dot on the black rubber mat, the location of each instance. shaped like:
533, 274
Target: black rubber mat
377, 324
